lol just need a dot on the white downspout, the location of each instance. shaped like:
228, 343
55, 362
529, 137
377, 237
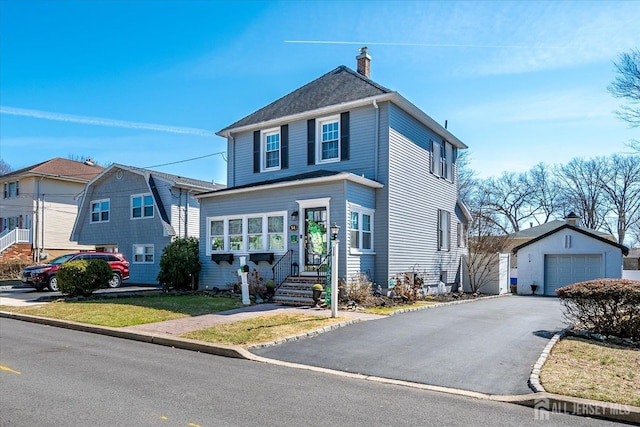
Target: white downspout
376, 142
233, 164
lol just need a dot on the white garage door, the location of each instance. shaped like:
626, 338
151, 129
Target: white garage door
562, 270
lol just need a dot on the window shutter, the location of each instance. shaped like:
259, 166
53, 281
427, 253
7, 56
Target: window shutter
256, 151
344, 136
284, 147
311, 142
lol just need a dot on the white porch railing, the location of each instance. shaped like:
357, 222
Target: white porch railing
11, 237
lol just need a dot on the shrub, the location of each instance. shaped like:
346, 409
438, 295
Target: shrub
83, 277
179, 264
357, 288
604, 306
11, 270
408, 286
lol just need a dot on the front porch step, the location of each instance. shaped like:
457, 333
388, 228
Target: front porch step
296, 291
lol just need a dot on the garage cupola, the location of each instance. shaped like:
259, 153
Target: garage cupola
573, 219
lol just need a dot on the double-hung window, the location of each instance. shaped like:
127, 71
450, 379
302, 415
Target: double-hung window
329, 139
271, 149
442, 159
100, 210
444, 221
11, 189
235, 235
361, 229
143, 254
252, 233
141, 206
216, 235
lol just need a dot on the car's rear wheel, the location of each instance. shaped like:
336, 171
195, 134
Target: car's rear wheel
116, 280
52, 283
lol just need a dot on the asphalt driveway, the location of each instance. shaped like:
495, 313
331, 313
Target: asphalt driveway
489, 346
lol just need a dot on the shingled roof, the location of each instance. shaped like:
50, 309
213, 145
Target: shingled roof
336, 87
60, 168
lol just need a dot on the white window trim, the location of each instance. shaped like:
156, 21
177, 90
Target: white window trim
91, 203
360, 211
142, 206
245, 233
319, 123
444, 243
263, 150
144, 253
6, 190
462, 235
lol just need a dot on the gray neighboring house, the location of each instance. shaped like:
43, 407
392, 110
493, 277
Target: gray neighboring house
341, 150
138, 212
560, 253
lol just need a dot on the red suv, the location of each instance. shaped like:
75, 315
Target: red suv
44, 275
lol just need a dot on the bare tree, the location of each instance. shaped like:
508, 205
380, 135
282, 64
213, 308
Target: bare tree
486, 243
620, 182
509, 198
4, 167
581, 190
467, 181
546, 200
627, 85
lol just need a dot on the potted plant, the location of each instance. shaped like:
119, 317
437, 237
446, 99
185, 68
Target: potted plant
271, 289
534, 287
317, 291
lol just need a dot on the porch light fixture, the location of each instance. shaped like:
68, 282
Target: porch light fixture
294, 215
335, 229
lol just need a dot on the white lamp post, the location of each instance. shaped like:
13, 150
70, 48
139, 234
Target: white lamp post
243, 272
335, 229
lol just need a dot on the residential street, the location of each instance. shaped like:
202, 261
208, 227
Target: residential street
52, 377
488, 346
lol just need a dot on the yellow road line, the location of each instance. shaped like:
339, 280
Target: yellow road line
4, 368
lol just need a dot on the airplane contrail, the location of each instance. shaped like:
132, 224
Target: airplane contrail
97, 121
475, 46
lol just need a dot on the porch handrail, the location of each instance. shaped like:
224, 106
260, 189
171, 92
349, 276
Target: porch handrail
282, 269
326, 260
17, 235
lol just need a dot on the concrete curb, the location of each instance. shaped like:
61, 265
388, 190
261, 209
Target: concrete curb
542, 402
534, 377
443, 304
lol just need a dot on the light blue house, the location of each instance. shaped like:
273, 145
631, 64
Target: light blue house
138, 212
340, 150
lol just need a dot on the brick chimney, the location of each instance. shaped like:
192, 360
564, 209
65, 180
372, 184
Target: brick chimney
364, 62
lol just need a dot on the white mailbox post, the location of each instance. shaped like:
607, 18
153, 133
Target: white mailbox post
243, 272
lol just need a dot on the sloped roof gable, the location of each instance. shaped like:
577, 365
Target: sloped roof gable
588, 233
61, 168
336, 87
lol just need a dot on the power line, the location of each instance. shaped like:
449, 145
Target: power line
221, 153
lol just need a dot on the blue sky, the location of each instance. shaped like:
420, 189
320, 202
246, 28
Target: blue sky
147, 83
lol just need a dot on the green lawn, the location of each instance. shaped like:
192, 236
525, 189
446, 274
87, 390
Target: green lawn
131, 311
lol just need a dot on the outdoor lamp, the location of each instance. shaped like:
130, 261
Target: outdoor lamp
335, 229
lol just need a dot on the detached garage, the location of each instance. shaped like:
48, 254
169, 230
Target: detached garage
566, 255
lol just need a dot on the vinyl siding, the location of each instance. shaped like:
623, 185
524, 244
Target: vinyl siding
185, 213
59, 211
360, 262
121, 230
362, 134
415, 196
274, 200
